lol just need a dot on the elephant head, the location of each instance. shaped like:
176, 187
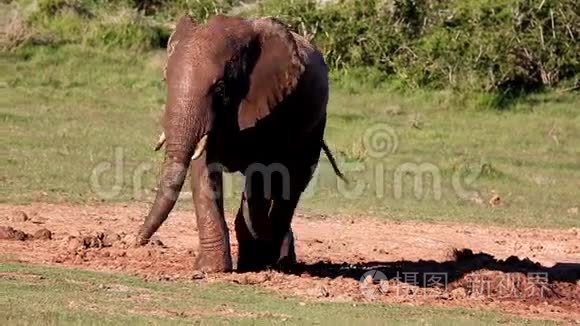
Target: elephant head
228, 73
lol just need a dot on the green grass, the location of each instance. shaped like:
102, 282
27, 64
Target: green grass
45, 295
65, 111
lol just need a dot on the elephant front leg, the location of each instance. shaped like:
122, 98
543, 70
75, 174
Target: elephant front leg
206, 184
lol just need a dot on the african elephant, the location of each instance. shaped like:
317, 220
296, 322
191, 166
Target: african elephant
248, 96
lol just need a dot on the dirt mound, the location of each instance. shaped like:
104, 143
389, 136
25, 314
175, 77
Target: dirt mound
19, 216
529, 272
102, 239
43, 234
9, 233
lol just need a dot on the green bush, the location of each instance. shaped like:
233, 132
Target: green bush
126, 24
503, 46
169, 10
94, 22
128, 29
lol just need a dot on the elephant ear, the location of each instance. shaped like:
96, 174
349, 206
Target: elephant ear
275, 73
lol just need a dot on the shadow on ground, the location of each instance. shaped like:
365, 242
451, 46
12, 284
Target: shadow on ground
463, 263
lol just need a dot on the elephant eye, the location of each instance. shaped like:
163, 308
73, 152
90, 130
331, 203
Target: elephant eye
219, 88
219, 93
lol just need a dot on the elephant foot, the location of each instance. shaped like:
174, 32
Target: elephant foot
287, 252
212, 263
257, 255
254, 255
139, 241
287, 256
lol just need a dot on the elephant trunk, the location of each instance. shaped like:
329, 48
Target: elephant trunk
183, 134
172, 178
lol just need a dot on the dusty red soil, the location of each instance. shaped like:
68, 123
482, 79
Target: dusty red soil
529, 272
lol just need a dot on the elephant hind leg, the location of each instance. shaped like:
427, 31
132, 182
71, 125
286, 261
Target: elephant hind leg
283, 207
284, 255
253, 230
265, 238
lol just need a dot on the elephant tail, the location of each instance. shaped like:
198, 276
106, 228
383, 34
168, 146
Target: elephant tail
333, 162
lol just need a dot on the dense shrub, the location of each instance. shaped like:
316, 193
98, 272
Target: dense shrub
132, 24
170, 9
506, 46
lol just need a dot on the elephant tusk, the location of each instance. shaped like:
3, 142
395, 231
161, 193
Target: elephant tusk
199, 148
160, 142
